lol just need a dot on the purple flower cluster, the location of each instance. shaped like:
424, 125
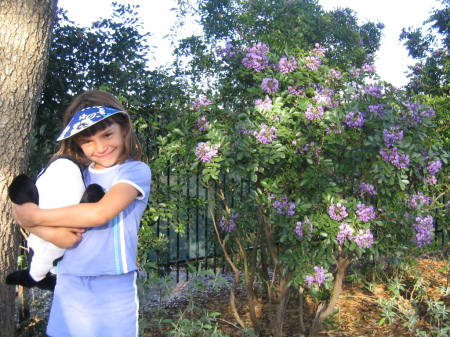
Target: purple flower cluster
226, 52
202, 123
323, 96
374, 90
206, 153
337, 212
302, 226
201, 101
270, 85
354, 120
266, 135
416, 199
318, 50
311, 149
365, 213
286, 65
313, 62
319, 276
345, 232
296, 90
314, 112
335, 74
366, 188
266, 104
369, 68
424, 230
411, 117
283, 205
364, 239
434, 166
377, 108
256, 57
392, 135
392, 155
228, 225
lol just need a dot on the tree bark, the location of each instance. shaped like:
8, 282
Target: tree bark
25, 37
325, 310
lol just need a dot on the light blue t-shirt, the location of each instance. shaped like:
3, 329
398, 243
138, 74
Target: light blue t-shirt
111, 249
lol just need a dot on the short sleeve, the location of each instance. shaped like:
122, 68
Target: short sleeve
137, 174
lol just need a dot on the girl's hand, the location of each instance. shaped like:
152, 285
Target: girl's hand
64, 237
23, 214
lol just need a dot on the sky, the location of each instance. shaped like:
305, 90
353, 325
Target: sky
391, 61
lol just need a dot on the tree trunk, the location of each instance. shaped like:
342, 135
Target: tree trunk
25, 37
325, 310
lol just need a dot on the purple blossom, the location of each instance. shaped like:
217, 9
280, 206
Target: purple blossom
377, 108
345, 232
424, 231
286, 65
226, 52
313, 62
259, 48
312, 149
365, 213
266, 135
296, 90
335, 74
354, 120
255, 61
337, 212
412, 116
416, 199
392, 155
256, 57
428, 113
366, 188
202, 123
302, 226
314, 112
266, 104
270, 85
392, 135
318, 50
369, 68
364, 239
373, 90
283, 205
206, 153
228, 225
201, 101
434, 166
323, 96
319, 277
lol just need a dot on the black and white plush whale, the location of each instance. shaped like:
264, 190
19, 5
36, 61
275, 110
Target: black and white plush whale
59, 184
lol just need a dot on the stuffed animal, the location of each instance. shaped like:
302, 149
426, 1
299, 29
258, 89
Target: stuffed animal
59, 184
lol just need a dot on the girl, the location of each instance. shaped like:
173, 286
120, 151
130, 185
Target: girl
96, 293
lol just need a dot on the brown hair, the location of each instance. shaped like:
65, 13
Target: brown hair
132, 148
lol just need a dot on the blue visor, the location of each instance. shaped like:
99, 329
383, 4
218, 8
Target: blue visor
86, 118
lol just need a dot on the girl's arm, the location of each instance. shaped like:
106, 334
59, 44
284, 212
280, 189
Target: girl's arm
63, 237
80, 215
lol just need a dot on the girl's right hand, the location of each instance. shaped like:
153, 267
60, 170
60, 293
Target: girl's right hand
66, 237
62, 237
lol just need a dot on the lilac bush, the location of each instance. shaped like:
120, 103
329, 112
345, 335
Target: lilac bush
307, 144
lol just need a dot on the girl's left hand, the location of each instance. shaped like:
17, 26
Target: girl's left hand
23, 214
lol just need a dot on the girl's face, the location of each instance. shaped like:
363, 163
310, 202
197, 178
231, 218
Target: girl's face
105, 147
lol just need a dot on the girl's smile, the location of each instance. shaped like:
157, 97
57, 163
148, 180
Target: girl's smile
105, 147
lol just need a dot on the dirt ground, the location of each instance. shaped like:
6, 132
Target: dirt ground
359, 311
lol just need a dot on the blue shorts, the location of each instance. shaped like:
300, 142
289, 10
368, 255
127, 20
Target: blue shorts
101, 306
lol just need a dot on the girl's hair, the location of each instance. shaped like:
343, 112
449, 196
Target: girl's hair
132, 148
